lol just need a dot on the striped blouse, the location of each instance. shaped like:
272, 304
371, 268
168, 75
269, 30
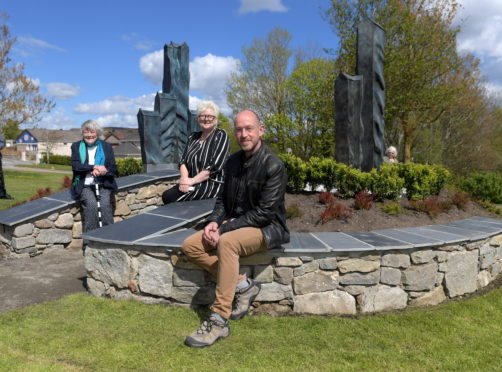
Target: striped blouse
212, 155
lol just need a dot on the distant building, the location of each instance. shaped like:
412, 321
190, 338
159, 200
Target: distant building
57, 142
125, 142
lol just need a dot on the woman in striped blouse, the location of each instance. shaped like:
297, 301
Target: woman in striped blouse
202, 162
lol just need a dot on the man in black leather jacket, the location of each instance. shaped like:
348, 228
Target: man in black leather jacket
249, 216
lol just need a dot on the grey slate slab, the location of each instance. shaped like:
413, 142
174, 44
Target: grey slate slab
29, 210
63, 196
172, 239
304, 242
379, 241
134, 228
487, 220
342, 242
446, 238
189, 210
132, 180
416, 240
470, 234
489, 228
163, 173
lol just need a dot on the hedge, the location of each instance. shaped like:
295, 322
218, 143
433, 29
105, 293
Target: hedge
388, 182
484, 185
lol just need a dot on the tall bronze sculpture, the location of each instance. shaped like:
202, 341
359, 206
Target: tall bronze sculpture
360, 101
164, 131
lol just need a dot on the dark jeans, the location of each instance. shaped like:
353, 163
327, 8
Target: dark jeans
89, 205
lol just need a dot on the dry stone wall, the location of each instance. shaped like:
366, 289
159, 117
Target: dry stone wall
337, 283
61, 230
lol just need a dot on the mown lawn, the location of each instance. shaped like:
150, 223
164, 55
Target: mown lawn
22, 185
84, 333
47, 166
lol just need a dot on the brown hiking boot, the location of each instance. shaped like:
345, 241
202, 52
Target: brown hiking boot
243, 299
210, 331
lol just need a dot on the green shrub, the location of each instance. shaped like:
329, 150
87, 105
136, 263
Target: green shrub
293, 211
484, 185
421, 180
351, 181
322, 171
392, 208
56, 159
128, 166
297, 172
386, 183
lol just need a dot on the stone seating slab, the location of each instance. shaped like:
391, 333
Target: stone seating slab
378, 241
171, 239
28, 211
416, 240
468, 234
305, 242
477, 226
189, 210
338, 241
446, 238
487, 220
132, 229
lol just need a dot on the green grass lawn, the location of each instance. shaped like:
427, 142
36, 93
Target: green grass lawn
84, 333
46, 166
22, 185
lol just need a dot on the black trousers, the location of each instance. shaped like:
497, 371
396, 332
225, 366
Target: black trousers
171, 195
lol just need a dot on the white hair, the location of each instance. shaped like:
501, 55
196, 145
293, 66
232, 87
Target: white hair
204, 105
93, 126
391, 148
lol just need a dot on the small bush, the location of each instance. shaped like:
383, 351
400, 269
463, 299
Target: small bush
351, 181
460, 199
297, 173
421, 180
322, 171
486, 186
363, 200
336, 210
392, 208
293, 211
128, 166
490, 207
432, 206
41, 193
386, 183
326, 198
66, 182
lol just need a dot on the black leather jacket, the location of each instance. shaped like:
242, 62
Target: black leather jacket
264, 177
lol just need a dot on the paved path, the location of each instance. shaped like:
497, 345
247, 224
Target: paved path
48, 277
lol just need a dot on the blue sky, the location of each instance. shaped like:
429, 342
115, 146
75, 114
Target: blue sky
103, 59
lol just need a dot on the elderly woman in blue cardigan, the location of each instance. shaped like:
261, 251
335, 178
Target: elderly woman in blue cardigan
93, 165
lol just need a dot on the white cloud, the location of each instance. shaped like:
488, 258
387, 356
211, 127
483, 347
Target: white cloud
28, 46
62, 91
118, 120
152, 67
253, 6
481, 27
117, 105
208, 74
139, 42
58, 119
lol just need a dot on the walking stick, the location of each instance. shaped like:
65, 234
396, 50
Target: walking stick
98, 201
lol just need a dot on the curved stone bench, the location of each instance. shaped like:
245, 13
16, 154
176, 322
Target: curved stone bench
316, 273
54, 222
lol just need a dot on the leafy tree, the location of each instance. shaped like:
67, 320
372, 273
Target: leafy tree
310, 129
11, 129
20, 98
420, 57
260, 83
225, 124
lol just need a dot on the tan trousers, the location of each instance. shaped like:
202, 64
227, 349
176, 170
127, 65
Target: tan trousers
223, 261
